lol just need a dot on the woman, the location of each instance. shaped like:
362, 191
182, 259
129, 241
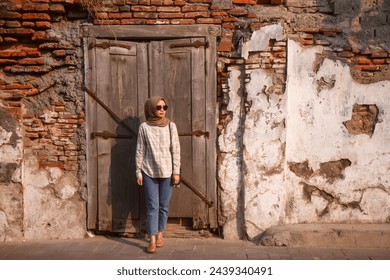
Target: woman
157, 166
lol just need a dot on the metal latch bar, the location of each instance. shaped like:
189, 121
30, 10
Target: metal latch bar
105, 134
196, 44
197, 133
208, 202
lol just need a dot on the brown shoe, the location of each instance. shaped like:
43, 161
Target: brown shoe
159, 243
151, 248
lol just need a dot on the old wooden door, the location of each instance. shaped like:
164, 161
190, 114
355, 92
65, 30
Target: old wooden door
123, 74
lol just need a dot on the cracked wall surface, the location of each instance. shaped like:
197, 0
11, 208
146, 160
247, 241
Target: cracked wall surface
11, 198
52, 203
336, 143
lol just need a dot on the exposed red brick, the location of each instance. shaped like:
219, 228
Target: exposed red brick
364, 61
143, 9
48, 46
36, 16
156, 21
10, 15
132, 21
57, 8
197, 15
219, 14
8, 62
209, 20
276, 2
114, 15
379, 61
263, 1
366, 67
228, 25
200, 1
244, 2
145, 15
39, 36
169, 9
16, 31
225, 46
238, 12
144, 2
182, 21
345, 54
171, 15
13, 24
28, 7
31, 61
180, 2
229, 19
28, 24
43, 24
306, 42
12, 53
379, 54
194, 8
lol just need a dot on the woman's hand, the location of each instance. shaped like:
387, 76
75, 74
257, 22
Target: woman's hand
139, 181
176, 179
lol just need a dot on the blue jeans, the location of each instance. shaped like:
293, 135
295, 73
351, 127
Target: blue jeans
158, 193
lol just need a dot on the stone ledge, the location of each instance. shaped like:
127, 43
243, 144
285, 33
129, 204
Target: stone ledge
328, 235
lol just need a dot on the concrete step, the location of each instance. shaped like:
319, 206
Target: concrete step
328, 235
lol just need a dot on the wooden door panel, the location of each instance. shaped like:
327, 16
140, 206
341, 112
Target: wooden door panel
124, 74
120, 88
171, 78
125, 215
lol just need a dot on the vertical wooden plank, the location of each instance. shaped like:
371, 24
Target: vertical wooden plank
91, 149
103, 75
211, 127
200, 218
157, 70
142, 96
123, 96
177, 90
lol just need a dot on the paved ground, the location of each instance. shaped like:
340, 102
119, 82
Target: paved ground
214, 248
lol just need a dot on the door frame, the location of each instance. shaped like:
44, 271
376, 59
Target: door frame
157, 32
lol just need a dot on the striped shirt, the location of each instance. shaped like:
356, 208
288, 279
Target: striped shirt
153, 155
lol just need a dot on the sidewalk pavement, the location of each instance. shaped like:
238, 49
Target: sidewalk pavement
213, 248
284, 242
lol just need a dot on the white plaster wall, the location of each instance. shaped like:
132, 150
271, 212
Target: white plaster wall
251, 168
53, 208
315, 132
11, 195
230, 162
263, 145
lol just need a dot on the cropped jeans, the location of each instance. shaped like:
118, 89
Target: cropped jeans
158, 193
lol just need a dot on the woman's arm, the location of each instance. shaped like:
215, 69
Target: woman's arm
139, 155
175, 151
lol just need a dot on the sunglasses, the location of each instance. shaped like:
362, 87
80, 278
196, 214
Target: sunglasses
159, 107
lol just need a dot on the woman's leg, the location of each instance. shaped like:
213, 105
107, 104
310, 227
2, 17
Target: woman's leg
165, 193
151, 186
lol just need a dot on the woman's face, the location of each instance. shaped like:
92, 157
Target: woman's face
160, 113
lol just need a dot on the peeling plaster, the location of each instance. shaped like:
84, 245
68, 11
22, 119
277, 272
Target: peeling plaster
260, 39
